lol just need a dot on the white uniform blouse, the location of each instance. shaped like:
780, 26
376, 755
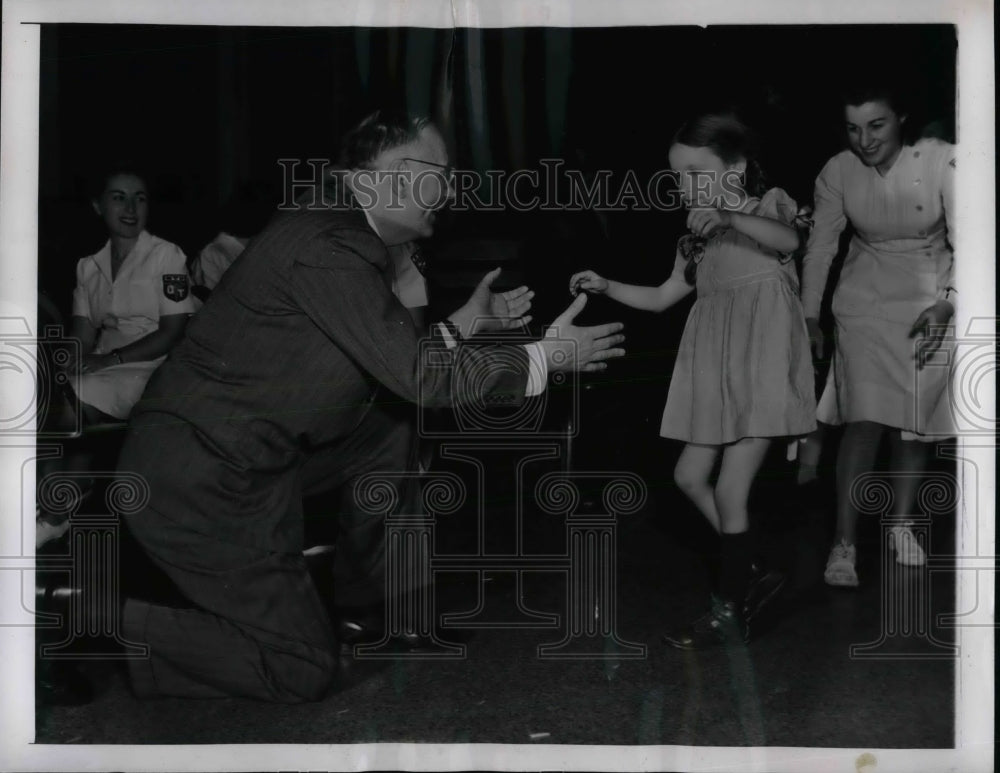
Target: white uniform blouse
900, 261
152, 282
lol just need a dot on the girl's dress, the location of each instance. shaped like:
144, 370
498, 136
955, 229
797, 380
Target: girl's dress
899, 263
152, 282
744, 367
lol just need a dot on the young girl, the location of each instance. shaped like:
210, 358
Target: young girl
743, 374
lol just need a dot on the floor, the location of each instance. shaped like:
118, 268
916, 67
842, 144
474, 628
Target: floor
796, 684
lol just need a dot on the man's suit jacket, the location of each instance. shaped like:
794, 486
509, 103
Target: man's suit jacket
283, 360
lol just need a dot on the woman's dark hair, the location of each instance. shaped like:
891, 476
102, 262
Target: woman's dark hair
378, 132
859, 91
99, 179
732, 140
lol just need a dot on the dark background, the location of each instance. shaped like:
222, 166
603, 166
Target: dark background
206, 111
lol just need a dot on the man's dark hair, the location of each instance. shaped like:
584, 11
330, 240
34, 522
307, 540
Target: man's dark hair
378, 132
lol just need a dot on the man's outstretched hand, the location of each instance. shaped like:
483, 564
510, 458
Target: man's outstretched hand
568, 347
486, 310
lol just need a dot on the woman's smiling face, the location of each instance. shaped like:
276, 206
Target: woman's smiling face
875, 133
124, 205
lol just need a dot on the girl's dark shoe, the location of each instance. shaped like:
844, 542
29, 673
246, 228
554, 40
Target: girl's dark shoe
723, 624
764, 587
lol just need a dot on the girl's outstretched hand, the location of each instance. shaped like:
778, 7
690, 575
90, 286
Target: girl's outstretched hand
589, 281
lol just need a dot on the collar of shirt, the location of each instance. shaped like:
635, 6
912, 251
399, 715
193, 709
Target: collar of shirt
103, 258
371, 224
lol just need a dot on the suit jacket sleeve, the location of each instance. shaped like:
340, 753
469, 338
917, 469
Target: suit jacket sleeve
336, 281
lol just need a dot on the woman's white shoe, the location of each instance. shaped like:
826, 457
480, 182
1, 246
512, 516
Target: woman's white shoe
908, 550
840, 566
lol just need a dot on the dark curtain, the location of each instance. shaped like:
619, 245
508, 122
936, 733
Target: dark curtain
207, 111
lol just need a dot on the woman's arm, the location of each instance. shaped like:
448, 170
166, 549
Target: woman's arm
84, 332
931, 322
829, 220
158, 343
149, 347
946, 293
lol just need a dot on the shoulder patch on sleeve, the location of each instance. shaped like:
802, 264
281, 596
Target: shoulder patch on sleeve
176, 287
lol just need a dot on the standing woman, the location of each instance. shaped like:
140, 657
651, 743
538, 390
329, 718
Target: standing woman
892, 303
130, 305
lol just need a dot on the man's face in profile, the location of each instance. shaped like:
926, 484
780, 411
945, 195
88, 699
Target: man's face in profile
424, 186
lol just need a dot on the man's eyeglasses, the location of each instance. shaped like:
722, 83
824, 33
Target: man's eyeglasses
446, 169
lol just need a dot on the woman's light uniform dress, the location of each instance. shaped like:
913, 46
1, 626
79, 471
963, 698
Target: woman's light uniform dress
899, 262
743, 368
152, 282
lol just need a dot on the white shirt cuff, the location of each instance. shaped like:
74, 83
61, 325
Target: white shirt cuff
446, 336
538, 368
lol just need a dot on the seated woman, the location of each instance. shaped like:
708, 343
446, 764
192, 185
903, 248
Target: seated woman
131, 302
130, 305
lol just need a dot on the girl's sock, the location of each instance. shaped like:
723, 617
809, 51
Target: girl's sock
734, 575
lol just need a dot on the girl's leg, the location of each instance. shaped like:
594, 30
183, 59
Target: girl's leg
693, 474
725, 622
740, 463
856, 456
